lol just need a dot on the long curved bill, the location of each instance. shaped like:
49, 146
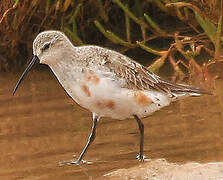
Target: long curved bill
34, 60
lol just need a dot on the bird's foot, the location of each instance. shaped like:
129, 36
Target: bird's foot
77, 162
141, 157
69, 162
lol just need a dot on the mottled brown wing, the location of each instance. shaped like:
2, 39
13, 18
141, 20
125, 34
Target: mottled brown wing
138, 77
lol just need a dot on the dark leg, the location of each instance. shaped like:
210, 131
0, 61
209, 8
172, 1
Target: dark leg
141, 129
90, 138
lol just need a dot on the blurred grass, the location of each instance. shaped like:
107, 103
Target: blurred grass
178, 32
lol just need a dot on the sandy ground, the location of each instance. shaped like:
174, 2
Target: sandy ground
160, 169
41, 126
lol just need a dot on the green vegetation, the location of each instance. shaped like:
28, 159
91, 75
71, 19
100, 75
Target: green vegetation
188, 34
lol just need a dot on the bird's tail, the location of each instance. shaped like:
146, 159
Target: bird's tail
181, 90
191, 90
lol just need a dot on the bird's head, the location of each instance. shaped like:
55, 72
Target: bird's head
48, 48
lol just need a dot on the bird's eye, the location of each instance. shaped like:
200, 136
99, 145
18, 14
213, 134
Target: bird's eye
45, 46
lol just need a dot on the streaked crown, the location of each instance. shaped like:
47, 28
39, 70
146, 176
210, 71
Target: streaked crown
48, 46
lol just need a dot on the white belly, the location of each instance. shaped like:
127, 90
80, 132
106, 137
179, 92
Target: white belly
105, 97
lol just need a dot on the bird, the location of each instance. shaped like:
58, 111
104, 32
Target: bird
105, 82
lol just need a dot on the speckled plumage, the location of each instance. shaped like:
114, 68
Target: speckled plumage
69, 64
106, 82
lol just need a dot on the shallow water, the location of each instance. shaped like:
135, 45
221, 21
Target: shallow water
41, 126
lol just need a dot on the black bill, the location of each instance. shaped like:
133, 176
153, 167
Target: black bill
35, 60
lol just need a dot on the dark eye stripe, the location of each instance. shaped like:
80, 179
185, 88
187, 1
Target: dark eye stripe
45, 46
